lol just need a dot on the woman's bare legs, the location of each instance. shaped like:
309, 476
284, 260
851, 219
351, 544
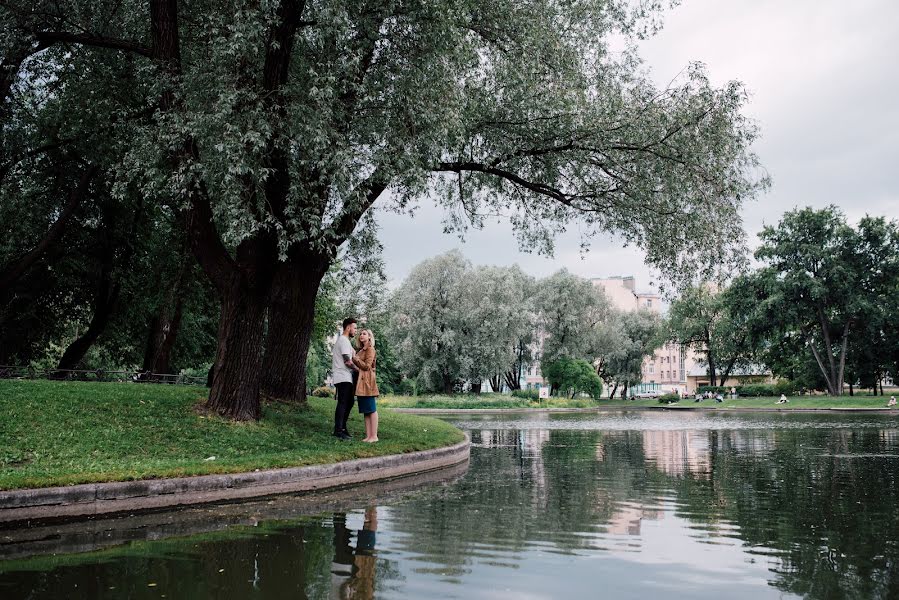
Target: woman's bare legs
367, 419
371, 428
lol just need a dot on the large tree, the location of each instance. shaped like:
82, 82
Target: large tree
713, 323
276, 126
827, 282
569, 308
430, 322
635, 335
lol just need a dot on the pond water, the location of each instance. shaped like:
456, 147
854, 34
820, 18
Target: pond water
620, 505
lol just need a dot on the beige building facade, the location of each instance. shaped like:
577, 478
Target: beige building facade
665, 371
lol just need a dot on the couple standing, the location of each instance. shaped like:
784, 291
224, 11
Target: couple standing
353, 372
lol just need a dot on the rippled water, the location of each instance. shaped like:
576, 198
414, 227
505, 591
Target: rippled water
623, 505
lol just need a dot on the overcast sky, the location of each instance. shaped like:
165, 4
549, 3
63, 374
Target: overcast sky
824, 80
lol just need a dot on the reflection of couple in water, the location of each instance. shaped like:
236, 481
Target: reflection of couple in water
353, 571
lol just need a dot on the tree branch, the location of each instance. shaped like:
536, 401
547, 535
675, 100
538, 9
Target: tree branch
345, 223
89, 39
14, 271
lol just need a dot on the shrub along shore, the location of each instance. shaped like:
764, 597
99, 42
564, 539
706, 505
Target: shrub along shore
502, 401
59, 433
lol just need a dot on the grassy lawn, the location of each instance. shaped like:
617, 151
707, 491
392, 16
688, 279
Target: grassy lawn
468, 401
59, 433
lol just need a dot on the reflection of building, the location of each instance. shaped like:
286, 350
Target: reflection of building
678, 452
628, 520
890, 438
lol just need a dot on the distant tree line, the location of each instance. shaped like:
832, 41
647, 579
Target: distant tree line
821, 309
456, 326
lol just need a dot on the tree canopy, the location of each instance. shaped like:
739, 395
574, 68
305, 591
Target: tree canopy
270, 130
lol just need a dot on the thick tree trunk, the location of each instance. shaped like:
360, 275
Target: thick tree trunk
475, 387
166, 323
238, 359
624, 391
104, 303
614, 389
291, 319
496, 383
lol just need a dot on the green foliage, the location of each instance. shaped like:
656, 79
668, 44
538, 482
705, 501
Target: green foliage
533, 395
453, 322
288, 163
407, 387
669, 398
573, 376
823, 284
713, 324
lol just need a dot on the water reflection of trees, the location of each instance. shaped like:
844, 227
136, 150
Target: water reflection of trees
822, 503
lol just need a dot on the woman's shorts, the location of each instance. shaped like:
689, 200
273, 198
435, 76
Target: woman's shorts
367, 405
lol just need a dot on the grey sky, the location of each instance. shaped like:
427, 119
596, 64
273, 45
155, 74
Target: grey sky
825, 92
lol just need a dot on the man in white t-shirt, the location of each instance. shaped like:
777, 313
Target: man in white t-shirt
342, 375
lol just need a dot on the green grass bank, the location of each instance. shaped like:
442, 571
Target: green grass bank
61, 433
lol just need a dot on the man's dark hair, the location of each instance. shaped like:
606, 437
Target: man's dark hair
348, 321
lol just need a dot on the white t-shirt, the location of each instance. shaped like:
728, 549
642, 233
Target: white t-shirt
340, 373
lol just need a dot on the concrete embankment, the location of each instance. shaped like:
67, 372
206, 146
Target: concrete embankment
131, 496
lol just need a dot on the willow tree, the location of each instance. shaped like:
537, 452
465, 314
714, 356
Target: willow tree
279, 124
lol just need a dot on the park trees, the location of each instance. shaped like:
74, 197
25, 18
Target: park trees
454, 323
275, 127
573, 376
633, 336
429, 322
715, 324
825, 283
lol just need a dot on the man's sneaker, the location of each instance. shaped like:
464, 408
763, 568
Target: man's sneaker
342, 436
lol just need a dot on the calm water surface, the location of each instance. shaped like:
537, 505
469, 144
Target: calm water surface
620, 505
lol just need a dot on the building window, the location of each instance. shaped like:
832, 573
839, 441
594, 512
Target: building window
649, 302
652, 368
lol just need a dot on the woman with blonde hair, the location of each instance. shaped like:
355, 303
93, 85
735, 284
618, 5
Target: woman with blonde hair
367, 386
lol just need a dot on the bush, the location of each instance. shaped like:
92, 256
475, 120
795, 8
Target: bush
758, 389
785, 386
573, 376
668, 398
323, 392
715, 389
407, 388
529, 394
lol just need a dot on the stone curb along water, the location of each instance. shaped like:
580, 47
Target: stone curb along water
129, 496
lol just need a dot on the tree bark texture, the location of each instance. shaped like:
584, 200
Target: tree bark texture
291, 319
236, 379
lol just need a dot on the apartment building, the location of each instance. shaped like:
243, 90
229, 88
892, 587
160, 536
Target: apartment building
667, 369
